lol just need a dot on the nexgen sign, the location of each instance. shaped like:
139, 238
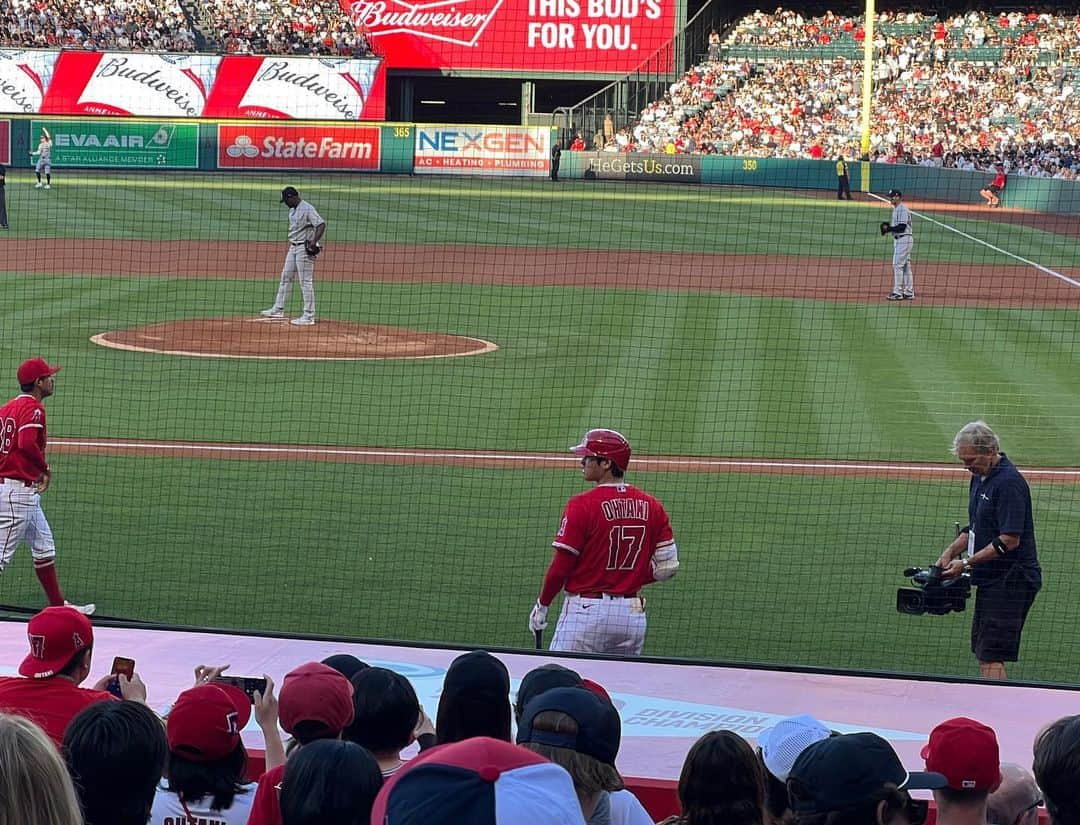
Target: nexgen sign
498, 150
258, 146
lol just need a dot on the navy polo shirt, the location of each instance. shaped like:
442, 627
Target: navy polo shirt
1001, 503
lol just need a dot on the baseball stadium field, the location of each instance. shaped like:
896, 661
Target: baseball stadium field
795, 424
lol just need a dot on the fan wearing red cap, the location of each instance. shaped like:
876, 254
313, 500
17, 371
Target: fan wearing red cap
24, 475
966, 753
612, 541
316, 702
206, 759
47, 689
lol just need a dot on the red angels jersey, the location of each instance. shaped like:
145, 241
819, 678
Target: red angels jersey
23, 412
613, 530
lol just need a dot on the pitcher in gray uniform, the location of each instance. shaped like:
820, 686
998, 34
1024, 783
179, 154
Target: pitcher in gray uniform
306, 228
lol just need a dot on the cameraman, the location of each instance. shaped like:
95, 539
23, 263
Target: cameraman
997, 547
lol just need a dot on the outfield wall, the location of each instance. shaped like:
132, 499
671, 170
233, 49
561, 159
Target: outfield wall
411, 148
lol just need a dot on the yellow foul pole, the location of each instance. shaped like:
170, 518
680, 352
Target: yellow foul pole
868, 76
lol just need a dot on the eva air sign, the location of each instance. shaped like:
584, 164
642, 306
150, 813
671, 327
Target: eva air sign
121, 144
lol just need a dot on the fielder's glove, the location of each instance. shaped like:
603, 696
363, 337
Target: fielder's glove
538, 618
312, 248
885, 226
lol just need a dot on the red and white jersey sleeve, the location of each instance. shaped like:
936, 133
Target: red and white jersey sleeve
613, 530
22, 414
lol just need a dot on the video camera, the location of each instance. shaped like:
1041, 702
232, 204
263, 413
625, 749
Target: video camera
931, 593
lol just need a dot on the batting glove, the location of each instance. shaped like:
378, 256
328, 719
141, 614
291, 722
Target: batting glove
538, 618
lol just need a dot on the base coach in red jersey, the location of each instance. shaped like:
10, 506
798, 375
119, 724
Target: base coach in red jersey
25, 475
612, 541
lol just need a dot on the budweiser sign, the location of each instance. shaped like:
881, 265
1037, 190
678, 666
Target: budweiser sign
518, 37
257, 146
450, 22
293, 88
24, 76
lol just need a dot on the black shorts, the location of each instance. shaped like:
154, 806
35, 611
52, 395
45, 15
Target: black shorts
1000, 611
994, 189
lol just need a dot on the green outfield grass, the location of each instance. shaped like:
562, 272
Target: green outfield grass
788, 570
590, 215
728, 375
797, 571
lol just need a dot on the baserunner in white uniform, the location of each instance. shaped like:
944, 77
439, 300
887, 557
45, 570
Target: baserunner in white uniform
44, 160
306, 228
903, 241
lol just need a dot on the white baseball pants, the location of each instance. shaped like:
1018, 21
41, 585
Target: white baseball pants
300, 265
903, 278
22, 519
609, 624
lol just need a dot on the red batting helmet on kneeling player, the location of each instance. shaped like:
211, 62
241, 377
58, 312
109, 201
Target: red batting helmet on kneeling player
605, 444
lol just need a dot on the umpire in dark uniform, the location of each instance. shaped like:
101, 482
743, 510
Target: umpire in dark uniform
556, 159
997, 548
3, 200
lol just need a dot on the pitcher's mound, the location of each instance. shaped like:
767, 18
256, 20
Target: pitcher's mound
264, 338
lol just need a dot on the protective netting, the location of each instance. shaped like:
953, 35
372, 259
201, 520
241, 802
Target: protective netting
218, 468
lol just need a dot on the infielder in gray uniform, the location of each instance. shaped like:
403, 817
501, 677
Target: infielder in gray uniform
899, 226
306, 228
44, 160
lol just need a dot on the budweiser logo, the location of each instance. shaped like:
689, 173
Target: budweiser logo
449, 21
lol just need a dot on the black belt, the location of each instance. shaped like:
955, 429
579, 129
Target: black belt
603, 595
302, 243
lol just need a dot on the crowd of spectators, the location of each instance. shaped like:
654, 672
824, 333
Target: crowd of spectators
932, 105
139, 25
285, 27
296, 27
71, 755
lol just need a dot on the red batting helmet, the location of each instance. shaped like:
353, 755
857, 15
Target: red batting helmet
605, 444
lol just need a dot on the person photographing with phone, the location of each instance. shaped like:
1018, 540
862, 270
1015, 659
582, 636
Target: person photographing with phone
48, 687
204, 775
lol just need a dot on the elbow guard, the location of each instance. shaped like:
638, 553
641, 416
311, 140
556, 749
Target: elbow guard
665, 562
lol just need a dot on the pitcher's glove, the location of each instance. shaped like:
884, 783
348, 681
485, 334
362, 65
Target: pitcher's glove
885, 226
312, 249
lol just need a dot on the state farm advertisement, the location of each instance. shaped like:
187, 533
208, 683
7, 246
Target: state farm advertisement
128, 83
301, 88
497, 150
517, 36
284, 146
25, 74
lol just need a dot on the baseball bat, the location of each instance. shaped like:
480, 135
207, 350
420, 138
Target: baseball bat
539, 634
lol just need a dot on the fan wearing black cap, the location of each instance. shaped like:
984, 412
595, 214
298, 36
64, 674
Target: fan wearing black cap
306, 228
580, 731
857, 779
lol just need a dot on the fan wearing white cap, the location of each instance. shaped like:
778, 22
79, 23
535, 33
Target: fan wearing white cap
25, 475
